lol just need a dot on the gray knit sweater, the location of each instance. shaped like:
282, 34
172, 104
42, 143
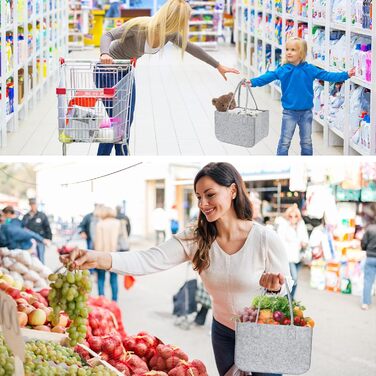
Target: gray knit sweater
134, 45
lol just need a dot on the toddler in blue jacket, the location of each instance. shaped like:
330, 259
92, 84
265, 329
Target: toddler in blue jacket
297, 77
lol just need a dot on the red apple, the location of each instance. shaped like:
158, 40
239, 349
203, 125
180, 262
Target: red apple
22, 319
30, 298
37, 304
22, 301
44, 328
37, 317
27, 308
58, 329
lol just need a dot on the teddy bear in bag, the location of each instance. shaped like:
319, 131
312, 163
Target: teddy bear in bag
224, 101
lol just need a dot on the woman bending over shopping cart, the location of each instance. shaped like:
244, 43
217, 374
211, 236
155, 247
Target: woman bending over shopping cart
147, 35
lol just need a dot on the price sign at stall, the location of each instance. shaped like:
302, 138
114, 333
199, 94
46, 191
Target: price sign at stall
11, 330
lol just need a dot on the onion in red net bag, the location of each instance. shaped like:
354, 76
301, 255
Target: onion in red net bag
167, 357
113, 307
143, 344
102, 321
194, 368
135, 363
152, 373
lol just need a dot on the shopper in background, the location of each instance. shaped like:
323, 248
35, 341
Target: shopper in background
122, 216
160, 223
293, 233
147, 35
369, 245
14, 236
87, 226
114, 10
174, 220
297, 76
233, 254
38, 222
106, 240
10, 216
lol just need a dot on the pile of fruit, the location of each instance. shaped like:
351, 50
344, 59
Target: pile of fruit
49, 358
21, 269
33, 310
69, 293
275, 310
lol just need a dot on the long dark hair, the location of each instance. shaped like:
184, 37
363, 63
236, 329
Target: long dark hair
205, 232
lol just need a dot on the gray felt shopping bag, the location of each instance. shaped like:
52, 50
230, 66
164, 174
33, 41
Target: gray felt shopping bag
273, 348
243, 126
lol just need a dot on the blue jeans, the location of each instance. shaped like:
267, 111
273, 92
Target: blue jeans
223, 340
113, 282
108, 80
369, 278
290, 119
40, 251
294, 268
113, 11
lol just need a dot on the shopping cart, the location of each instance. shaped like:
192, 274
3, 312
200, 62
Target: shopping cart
94, 101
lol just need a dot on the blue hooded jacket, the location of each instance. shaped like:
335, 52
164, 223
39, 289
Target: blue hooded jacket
297, 83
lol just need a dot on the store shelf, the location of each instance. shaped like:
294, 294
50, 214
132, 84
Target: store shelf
256, 52
338, 26
359, 148
318, 120
362, 82
201, 23
204, 32
337, 131
361, 31
44, 25
318, 22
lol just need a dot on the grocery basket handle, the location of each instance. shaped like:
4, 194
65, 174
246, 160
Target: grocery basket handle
238, 91
290, 304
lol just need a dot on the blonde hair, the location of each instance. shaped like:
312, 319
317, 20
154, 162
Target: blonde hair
107, 212
292, 210
302, 45
173, 17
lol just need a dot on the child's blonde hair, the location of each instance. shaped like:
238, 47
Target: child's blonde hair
173, 17
302, 44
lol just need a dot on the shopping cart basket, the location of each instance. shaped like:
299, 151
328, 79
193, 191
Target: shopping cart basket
94, 101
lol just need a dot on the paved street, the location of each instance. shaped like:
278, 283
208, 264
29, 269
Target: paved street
344, 341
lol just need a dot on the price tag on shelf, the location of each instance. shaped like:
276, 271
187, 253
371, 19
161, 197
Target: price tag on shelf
11, 330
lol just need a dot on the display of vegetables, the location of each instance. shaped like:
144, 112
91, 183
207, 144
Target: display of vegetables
275, 310
69, 293
49, 358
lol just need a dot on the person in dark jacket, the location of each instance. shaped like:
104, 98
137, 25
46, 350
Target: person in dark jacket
38, 222
369, 245
13, 235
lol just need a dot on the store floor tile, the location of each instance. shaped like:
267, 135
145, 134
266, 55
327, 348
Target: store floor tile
174, 114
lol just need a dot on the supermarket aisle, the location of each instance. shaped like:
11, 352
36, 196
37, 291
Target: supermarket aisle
174, 114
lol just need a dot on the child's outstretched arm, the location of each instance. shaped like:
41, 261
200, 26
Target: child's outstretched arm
264, 79
331, 76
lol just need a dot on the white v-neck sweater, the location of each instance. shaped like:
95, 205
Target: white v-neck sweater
231, 280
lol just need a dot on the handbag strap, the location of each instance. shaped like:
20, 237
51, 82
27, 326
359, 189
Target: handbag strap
290, 304
237, 91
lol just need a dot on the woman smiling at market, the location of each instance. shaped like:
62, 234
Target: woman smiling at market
148, 35
233, 254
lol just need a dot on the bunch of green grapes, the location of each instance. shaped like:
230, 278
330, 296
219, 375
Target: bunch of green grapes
69, 293
6, 359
